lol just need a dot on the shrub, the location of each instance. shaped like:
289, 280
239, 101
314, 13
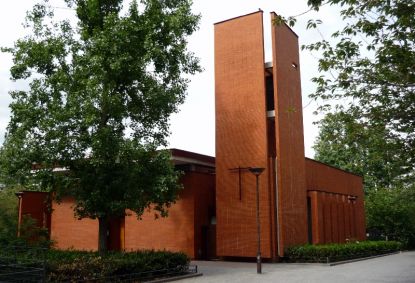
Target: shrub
8, 215
390, 214
79, 265
335, 252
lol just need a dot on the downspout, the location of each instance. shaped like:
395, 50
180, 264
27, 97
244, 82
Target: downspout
19, 195
277, 208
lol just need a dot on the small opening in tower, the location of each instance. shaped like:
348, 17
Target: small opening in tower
269, 86
294, 65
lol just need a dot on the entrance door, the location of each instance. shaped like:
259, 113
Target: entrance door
211, 242
309, 221
115, 239
208, 242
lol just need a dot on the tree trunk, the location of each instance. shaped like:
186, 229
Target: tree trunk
102, 234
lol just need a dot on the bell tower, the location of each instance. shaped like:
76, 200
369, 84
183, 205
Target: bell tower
258, 124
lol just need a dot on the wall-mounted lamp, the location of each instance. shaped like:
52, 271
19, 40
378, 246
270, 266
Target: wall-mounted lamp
352, 198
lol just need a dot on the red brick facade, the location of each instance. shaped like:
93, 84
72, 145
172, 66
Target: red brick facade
337, 204
188, 228
241, 138
182, 229
258, 124
292, 224
68, 232
34, 205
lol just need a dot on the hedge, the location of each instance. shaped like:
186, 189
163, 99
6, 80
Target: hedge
78, 266
336, 252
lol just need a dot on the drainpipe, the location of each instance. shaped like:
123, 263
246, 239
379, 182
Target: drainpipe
277, 207
19, 195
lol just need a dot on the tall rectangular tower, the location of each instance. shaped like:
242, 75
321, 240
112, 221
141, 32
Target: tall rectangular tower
289, 135
258, 124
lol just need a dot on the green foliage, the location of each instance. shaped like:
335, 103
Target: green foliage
390, 195
391, 213
367, 71
365, 149
335, 252
101, 94
76, 266
279, 20
349, 144
368, 79
30, 233
8, 214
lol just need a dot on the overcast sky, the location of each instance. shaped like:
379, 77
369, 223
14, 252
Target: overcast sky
193, 128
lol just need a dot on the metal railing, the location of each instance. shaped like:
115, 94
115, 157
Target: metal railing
338, 258
22, 264
143, 276
29, 264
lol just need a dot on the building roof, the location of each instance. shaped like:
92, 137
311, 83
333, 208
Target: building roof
186, 157
334, 167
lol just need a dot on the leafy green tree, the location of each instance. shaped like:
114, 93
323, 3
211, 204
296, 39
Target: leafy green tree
369, 151
8, 215
8, 205
98, 107
391, 213
366, 149
368, 67
367, 86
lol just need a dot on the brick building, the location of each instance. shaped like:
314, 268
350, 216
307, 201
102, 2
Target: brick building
259, 123
187, 228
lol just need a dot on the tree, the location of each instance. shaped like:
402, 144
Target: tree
368, 75
366, 149
367, 86
346, 143
98, 107
391, 213
368, 67
8, 215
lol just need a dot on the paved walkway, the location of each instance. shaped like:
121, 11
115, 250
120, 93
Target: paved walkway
397, 268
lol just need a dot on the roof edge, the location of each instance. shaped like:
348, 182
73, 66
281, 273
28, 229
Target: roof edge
234, 18
192, 155
289, 28
334, 167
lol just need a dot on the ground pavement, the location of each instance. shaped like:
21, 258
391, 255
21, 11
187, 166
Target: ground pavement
396, 268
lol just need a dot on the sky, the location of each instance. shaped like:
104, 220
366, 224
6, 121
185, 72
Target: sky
193, 128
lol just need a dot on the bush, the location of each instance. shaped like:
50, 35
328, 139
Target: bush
31, 235
79, 265
391, 215
8, 215
335, 252
30, 232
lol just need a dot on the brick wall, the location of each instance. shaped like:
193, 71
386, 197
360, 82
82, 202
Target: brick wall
203, 187
69, 232
35, 205
337, 203
180, 231
177, 232
291, 190
241, 136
